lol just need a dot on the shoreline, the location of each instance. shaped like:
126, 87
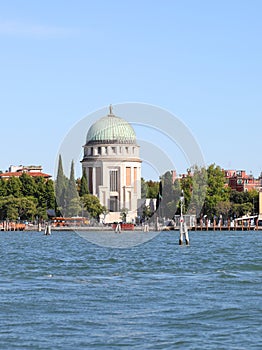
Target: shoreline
35, 228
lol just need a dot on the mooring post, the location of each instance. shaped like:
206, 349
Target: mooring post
118, 228
183, 227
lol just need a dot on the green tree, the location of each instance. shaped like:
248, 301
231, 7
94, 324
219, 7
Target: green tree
28, 185
168, 203
93, 206
159, 198
199, 180
244, 202
242, 209
149, 189
239, 197
14, 187
186, 184
254, 199
7, 208
61, 185
223, 208
152, 189
143, 188
71, 195
13, 208
83, 185
40, 195
27, 208
216, 190
3, 191
12, 212
175, 203
74, 207
50, 194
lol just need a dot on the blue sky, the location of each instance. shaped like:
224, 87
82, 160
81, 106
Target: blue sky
200, 60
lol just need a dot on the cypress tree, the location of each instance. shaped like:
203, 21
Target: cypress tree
83, 185
72, 198
159, 198
71, 190
60, 185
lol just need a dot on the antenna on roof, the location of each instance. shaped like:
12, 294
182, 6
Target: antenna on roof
110, 109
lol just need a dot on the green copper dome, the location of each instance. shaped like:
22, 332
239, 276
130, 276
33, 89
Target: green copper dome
111, 129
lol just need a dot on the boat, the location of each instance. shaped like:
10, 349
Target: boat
124, 226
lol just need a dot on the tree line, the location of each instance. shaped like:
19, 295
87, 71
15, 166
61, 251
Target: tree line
73, 197
205, 194
26, 197
30, 198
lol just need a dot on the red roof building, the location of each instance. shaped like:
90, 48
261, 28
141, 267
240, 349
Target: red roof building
34, 171
240, 181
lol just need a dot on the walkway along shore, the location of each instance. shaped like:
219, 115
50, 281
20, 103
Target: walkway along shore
24, 227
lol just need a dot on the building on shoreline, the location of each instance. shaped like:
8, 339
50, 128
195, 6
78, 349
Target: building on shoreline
113, 166
31, 170
240, 181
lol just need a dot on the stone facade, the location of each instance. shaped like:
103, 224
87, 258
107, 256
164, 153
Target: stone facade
113, 166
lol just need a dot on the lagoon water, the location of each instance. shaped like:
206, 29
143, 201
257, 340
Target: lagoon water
64, 292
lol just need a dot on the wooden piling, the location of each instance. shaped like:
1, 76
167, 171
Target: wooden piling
228, 224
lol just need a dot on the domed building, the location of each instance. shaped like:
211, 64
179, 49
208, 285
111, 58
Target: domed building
113, 165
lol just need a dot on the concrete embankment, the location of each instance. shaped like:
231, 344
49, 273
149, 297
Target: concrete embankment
80, 228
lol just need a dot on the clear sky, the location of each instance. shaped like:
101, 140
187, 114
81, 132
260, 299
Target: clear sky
62, 60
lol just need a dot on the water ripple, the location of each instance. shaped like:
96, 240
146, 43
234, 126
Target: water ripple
62, 292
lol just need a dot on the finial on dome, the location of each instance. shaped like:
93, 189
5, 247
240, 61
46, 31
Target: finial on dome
110, 109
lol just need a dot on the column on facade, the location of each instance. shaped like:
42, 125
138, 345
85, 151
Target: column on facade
128, 184
94, 180
132, 189
124, 197
90, 179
